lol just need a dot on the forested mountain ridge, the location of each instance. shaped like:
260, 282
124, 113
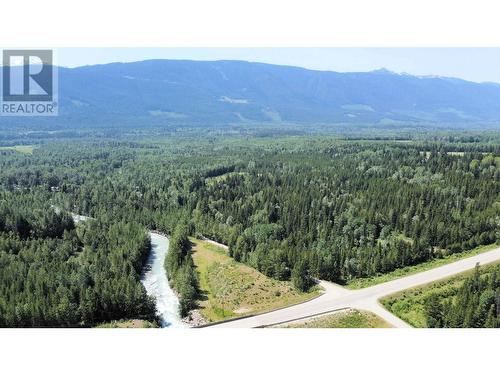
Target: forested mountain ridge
184, 92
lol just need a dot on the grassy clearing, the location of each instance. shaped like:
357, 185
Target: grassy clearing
21, 149
222, 178
232, 289
410, 270
409, 304
344, 319
134, 323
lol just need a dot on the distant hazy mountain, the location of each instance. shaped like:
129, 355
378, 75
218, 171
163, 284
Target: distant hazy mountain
178, 91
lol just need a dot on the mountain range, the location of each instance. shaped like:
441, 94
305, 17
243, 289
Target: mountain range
232, 92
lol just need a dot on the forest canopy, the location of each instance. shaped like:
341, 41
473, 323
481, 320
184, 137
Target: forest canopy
55, 275
294, 208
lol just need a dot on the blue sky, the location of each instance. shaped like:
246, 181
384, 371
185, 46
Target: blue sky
474, 64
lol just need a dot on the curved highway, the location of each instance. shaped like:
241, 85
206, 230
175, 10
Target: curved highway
338, 298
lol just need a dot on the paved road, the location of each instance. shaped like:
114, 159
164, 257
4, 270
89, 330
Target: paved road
337, 298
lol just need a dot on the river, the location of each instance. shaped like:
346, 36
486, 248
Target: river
154, 279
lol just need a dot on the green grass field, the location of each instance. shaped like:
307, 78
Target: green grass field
232, 289
409, 304
21, 149
344, 319
410, 270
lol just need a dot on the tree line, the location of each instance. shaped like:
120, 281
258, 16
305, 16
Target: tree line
181, 270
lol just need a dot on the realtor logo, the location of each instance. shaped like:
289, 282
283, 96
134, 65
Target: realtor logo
28, 83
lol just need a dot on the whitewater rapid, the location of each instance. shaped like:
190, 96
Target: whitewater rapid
154, 279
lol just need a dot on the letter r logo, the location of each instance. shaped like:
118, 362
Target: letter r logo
27, 75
